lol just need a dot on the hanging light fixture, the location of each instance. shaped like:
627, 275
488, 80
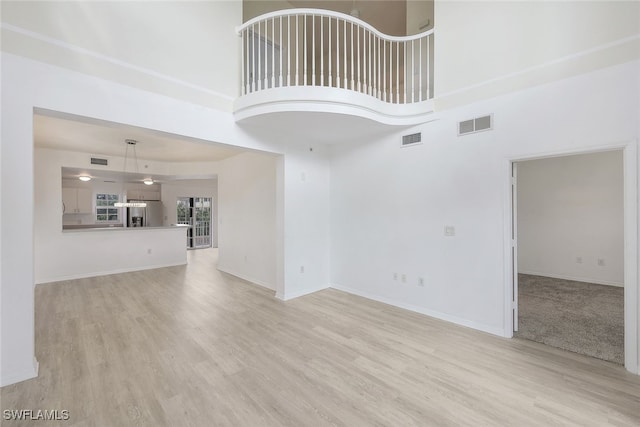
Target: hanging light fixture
126, 204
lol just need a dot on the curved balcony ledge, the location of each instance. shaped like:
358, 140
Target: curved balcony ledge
316, 60
330, 100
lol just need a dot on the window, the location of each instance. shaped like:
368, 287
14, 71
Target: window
105, 211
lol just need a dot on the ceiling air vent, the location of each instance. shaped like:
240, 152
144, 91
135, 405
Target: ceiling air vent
478, 124
413, 139
101, 162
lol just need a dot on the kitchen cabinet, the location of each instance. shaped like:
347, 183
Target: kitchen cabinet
77, 200
143, 192
143, 195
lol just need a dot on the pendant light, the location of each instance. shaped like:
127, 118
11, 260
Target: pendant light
129, 143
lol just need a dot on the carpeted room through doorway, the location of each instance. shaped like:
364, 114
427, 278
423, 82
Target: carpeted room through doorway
581, 317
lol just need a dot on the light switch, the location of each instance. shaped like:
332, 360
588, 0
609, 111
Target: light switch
449, 230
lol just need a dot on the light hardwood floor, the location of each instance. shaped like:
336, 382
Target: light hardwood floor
190, 346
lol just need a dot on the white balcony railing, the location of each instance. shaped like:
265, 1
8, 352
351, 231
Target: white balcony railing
320, 48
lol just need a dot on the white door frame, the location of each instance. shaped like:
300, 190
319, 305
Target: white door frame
514, 245
631, 285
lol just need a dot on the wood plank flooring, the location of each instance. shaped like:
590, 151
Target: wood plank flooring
190, 346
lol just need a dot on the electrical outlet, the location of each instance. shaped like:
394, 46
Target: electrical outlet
404, 278
449, 230
302, 269
579, 260
149, 251
601, 262
395, 276
420, 281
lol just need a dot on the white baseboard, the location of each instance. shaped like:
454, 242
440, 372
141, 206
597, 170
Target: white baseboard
299, 293
431, 313
573, 278
247, 278
105, 273
16, 377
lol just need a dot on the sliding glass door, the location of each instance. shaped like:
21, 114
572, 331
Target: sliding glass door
196, 212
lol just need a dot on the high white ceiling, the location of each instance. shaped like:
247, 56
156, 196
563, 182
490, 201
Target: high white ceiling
108, 139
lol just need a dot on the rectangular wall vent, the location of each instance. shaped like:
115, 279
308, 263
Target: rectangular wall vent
478, 124
101, 162
413, 139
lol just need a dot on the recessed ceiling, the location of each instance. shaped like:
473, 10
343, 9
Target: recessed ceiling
108, 139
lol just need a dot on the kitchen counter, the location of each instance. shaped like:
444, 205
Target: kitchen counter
86, 229
85, 226
89, 252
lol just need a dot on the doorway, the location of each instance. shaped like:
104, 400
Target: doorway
196, 213
578, 265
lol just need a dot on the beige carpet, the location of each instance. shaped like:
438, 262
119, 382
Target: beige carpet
581, 317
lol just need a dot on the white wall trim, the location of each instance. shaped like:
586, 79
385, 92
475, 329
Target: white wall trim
323, 99
567, 58
631, 285
111, 60
431, 313
16, 377
246, 278
508, 262
299, 293
105, 273
573, 278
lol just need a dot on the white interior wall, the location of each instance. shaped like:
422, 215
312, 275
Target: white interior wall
287, 197
570, 215
16, 283
120, 41
488, 48
247, 218
172, 190
1, 262
418, 13
294, 189
397, 225
306, 212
